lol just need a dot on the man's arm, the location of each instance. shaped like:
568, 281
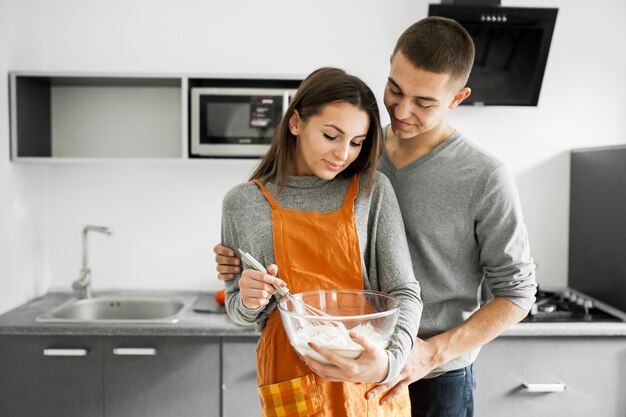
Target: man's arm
484, 325
227, 262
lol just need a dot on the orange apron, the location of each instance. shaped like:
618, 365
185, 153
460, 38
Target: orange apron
313, 250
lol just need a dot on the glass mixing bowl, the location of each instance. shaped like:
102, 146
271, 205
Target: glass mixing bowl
371, 313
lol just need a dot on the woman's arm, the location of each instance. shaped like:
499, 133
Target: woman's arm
249, 292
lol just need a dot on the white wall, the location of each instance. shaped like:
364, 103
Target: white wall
22, 204
166, 216
582, 104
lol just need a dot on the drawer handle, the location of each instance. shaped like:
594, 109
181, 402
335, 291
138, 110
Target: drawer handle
125, 351
65, 352
553, 387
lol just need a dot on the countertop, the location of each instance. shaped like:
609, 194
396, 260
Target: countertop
22, 321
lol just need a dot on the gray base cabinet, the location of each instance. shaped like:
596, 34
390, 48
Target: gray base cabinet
92, 376
110, 376
239, 389
552, 377
51, 376
154, 377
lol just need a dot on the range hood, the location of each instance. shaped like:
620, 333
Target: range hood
512, 46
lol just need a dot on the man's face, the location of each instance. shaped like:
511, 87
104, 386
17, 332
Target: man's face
417, 101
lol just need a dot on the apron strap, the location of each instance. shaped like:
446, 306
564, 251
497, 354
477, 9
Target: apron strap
351, 194
270, 199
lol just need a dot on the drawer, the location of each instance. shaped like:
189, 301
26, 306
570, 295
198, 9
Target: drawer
522, 376
161, 376
51, 375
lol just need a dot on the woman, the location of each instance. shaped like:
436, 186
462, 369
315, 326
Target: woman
317, 210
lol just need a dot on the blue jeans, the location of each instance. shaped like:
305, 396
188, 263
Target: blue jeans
448, 395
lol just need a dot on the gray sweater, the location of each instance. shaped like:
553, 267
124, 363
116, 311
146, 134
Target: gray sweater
385, 257
463, 221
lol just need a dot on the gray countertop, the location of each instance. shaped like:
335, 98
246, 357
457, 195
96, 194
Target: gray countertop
567, 329
22, 321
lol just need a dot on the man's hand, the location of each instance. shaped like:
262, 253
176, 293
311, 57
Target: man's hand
371, 366
418, 365
484, 325
227, 262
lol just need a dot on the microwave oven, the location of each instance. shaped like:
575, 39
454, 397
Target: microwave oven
235, 122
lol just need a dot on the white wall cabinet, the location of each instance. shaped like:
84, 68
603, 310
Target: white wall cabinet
591, 371
73, 116
79, 117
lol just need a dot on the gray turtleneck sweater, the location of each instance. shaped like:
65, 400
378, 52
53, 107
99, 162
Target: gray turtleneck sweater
385, 257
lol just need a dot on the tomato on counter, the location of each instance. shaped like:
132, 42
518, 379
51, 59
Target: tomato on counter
220, 297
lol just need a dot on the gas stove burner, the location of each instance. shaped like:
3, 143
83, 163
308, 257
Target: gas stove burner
567, 306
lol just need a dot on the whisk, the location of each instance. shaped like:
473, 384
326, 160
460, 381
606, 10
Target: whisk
284, 292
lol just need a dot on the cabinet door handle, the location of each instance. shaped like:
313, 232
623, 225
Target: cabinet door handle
65, 352
542, 387
126, 351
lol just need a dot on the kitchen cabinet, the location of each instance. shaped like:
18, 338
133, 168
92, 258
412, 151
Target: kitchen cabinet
74, 117
570, 376
161, 376
109, 376
239, 388
205, 365
70, 116
51, 375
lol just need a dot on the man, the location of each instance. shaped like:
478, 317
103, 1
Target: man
462, 218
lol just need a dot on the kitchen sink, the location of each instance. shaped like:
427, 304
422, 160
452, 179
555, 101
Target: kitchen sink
117, 309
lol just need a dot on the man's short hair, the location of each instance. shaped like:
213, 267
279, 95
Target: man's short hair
440, 45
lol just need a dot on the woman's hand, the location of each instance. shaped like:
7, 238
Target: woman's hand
255, 287
227, 262
371, 366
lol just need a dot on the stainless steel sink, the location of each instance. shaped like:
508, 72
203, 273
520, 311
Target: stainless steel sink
117, 309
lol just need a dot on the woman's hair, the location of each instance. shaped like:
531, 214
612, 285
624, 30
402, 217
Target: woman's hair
440, 45
323, 86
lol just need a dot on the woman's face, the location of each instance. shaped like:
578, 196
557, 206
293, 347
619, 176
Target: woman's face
329, 142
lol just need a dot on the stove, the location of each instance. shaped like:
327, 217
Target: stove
568, 305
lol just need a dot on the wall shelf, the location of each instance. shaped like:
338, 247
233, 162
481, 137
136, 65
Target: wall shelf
89, 118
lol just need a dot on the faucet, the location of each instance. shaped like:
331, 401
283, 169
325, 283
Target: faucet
82, 284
